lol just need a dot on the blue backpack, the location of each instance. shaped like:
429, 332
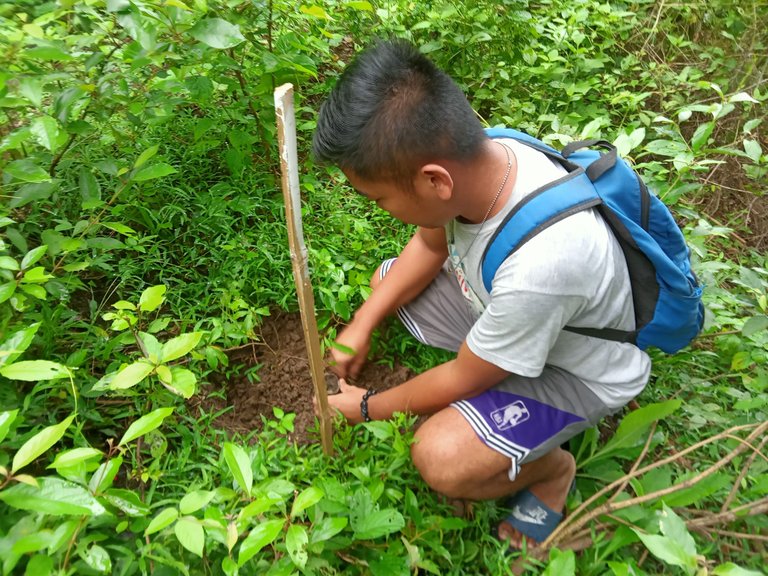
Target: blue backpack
666, 294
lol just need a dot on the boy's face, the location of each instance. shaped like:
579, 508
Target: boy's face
422, 206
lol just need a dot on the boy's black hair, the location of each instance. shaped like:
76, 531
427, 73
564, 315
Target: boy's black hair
392, 111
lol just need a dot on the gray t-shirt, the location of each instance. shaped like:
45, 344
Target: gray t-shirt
573, 273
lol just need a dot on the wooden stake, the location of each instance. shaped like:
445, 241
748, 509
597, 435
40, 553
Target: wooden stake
289, 165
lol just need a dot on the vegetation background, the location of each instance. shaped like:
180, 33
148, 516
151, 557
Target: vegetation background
142, 241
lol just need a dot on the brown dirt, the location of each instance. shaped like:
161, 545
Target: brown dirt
282, 379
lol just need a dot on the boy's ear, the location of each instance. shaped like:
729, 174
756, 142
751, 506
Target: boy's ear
437, 179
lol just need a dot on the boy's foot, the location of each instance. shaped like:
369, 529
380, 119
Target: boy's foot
527, 512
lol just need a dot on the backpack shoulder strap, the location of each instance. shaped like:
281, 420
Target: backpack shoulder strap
536, 212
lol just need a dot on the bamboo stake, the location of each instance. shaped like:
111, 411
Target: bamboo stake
289, 165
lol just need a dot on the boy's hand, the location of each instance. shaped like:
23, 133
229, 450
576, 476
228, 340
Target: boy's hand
347, 401
349, 357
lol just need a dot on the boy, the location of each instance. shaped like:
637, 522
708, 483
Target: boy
406, 138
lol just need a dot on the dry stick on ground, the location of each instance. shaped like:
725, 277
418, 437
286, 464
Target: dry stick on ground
742, 474
579, 518
286, 131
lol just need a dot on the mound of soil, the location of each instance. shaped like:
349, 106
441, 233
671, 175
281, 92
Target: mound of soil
282, 379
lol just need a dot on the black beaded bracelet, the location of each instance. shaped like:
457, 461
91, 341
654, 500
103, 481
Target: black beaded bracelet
364, 405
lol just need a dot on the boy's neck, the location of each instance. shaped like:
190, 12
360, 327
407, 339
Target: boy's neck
483, 186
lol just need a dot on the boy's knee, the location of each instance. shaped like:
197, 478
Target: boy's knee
439, 465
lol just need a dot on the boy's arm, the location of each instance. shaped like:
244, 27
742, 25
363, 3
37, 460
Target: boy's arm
416, 266
429, 392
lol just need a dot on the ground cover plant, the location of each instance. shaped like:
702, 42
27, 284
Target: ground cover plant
147, 312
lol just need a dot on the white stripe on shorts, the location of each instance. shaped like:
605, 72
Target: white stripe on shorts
404, 316
513, 451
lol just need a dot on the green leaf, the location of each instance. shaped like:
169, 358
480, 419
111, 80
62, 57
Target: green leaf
183, 382
146, 155
261, 535
55, 497
307, 498
7, 290
179, 346
327, 528
152, 347
33, 256
145, 424
217, 33
296, 543
666, 147
98, 559
195, 500
240, 466
17, 343
131, 375
561, 563
634, 425
673, 527
36, 274
701, 135
164, 518
6, 419
315, 11
667, 550
35, 370
377, 523
754, 325
731, 569
39, 443
360, 5
34, 290
104, 475
74, 456
8, 263
127, 502
26, 171
753, 149
32, 89
151, 172
152, 298
190, 533
47, 133
90, 189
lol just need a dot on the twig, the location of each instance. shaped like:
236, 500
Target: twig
731, 534
573, 522
639, 459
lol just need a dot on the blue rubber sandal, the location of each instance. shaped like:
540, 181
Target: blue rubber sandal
531, 517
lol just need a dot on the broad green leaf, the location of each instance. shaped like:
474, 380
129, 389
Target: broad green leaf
39, 443
152, 347
164, 518
702, 134
195, 500
34, 290
47, 53
145, 424
217, 33
164, 373
8, 263
327, 528
104, 475
731, 569
6, 419
666, 147
635, 424
55, 497
743, 97
190, 533
74, 456
151, 172
307, 498
261, 535
315, 11
27, 171
754, 325
240, 466
98, 558
131, 375
377, 523
177, 347
47, 133
152, 298
667, 550
561, 563
673, 527
17, 343
90, 189
183, 382
360, 5
119, 228
146, 155
36, 274
7, 290
127, 501
753, 149
32, 89
35, 370
232, 536
296, 543
33, 256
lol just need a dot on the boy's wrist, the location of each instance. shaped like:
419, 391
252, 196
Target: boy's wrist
364, 405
